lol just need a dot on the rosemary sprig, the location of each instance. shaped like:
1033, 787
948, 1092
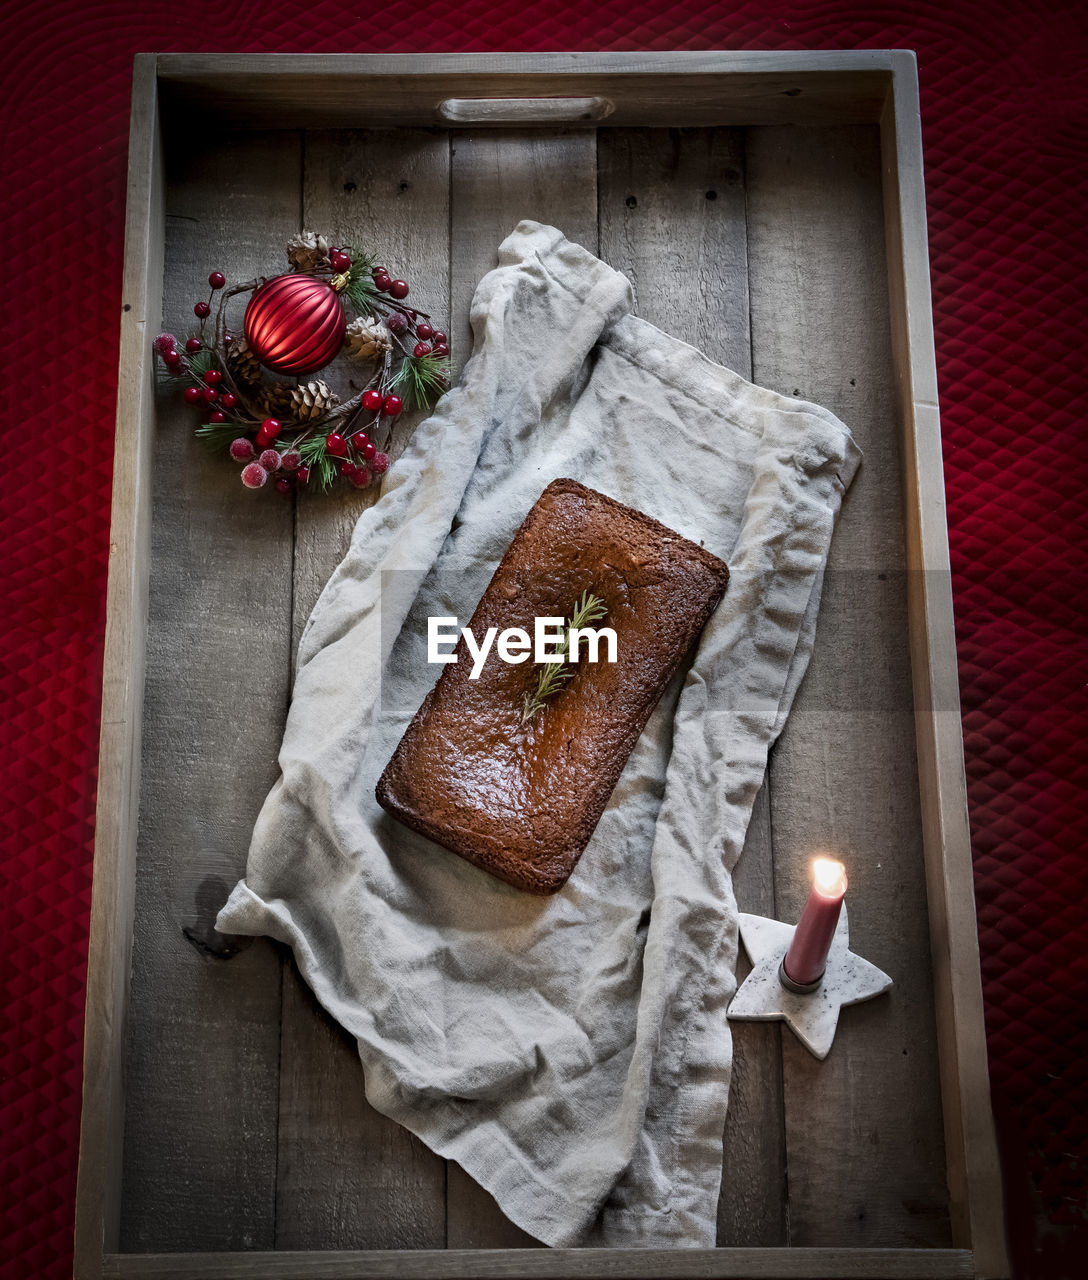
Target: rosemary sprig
590, 608
421, 379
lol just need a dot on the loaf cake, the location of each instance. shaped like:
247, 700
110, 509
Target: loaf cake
521, 797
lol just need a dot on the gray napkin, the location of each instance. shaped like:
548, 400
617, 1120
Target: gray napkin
571, 1053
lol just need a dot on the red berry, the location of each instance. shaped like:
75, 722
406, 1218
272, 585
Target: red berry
360, 440
383, 284
347, 469
422, 349
339, 261
399, 288
439, 337
202, 310
210, 395
213, 377
217, 417
372, 400
302, 474
412, 315
194, 395
262, 441
241, 450
217, 279
291, 460
172, 360
397, 322
370, 451
270, 460
380, 464
194, 344
440, 349
254, 475
228, 399
270, 428
361, 478
424, 330
228, 337
336, 445
283, 485
392, 406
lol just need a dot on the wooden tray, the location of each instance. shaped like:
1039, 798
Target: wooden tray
768, 208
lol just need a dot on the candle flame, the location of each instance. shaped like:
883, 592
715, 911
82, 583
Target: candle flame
829, 877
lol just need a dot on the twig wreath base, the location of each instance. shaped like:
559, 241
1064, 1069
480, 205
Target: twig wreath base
296, 434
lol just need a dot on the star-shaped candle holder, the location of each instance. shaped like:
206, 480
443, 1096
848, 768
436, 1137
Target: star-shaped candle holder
811, 1012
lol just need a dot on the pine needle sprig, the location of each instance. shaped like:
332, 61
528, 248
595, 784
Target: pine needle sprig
553, 675
422, 379
323, 466
360, 290
218, 435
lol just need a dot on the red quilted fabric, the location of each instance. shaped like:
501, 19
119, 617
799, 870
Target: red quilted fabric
1005, 112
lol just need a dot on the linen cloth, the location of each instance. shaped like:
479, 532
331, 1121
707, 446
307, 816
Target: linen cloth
571, 1053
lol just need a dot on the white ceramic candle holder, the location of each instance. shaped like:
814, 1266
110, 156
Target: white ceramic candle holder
813, 1014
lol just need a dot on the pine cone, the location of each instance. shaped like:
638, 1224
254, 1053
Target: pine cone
243, 364
299, 404
307, 251
368, 337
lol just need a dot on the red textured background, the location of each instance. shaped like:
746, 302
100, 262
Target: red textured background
1005, 116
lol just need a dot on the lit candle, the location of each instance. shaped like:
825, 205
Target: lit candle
804, 962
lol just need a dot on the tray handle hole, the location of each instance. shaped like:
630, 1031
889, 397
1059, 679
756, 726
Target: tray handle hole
501, 111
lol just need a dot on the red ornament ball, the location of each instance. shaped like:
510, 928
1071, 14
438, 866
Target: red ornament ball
392, 406
372, 400
241, 450
254, 475
295, 323
217, 279
398, 289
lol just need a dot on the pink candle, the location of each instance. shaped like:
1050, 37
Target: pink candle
807, 955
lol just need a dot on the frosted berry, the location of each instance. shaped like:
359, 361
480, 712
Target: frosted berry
336, 445
217, 416
202, 310
424, 330
379, 464
392, 405
254, 475
372, 400
165, 342
194, 395
213, 377
397, 322
361, 478
241, 450
422, 349
283, 485
360, 440
302, 474
291, 460
193, 345
217, 279
439, 337
270, 460
210, 395
270, 428
347, 469
228, 399
398, 289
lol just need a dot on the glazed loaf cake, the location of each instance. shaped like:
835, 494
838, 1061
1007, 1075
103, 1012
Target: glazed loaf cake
521, 798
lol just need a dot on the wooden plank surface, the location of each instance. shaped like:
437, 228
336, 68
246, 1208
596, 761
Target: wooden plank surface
556, 1264
200, 1176
863, 1129
497, 179
673, 220
349, 1177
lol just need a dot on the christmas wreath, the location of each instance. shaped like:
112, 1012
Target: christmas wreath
291, 434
